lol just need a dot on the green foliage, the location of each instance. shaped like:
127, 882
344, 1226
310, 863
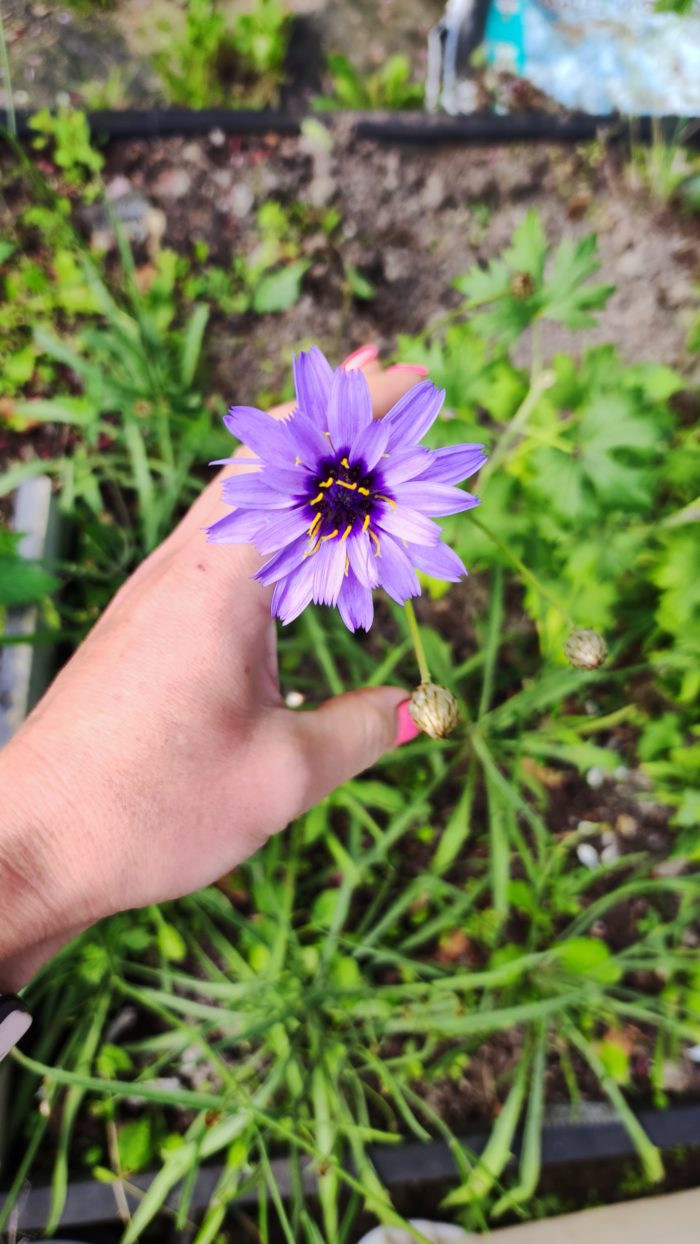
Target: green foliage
219, 58
319, 1000
388, 87
67, 134
22, 582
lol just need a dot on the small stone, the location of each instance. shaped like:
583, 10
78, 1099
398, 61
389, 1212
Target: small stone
626, 825
118, 187
595, 777
434, 710
173, 183
217, 138
585, 649
240, 200
693, 1053
587, 855
294, 699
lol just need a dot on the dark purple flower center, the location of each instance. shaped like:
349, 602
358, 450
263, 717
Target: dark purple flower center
344, 499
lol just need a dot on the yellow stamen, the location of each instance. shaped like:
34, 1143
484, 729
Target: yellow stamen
317, 499
342, 484
315, 524
327, 482
344, 462
364, 492
366, 523
347, 564
376, 541
315, 549
381, 497
346, 533
332, 535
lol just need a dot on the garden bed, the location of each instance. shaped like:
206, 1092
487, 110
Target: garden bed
396, 892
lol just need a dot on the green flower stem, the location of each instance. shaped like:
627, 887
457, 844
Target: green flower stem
522, 568
543, 380
417, 642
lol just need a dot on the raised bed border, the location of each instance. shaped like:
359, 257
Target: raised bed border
90, 1203
419, 128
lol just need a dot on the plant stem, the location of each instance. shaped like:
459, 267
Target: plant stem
417, 642
7, 78
522, 568
543, 380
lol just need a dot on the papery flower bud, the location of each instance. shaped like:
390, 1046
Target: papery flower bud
434, 710
586, 649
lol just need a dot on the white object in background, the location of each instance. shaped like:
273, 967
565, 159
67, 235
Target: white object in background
436, 1232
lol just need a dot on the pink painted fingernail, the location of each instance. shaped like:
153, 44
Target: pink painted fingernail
406, 728
359, 358
412, 367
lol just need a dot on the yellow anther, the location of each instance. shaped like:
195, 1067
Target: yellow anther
331, 536
388, 500
344, 462
366, 523
363, 491
347, 564
376, 541
297, 461
315, 524
343, 484
317, 499
346, 533
327, 482
315, 549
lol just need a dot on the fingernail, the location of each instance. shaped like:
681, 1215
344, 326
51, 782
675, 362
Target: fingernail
359, 358
406, 728
412, 367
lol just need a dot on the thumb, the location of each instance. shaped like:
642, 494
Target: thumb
348, 734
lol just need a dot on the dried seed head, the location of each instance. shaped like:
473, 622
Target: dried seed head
586, 649
434, 710
522, 285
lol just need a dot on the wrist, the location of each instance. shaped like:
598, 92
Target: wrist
44, 866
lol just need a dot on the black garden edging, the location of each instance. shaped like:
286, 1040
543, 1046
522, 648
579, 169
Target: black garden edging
417, 128
89, 1203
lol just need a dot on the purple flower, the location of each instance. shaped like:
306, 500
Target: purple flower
342, 503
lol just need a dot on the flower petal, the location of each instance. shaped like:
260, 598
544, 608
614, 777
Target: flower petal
440, 562
363, 560
309, 442
280, 530
284, 562
369, 445
430, 498
349, 408
396, 574
454, 463
239, 527
253, 491
355, 604
408, 524
329, 571
413, 414
406, 464
260, 432
313, 376
293, 593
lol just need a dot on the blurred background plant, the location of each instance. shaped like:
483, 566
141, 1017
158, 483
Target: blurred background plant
438, 923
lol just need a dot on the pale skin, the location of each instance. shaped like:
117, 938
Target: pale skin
163, 754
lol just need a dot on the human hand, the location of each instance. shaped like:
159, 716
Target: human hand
163, 754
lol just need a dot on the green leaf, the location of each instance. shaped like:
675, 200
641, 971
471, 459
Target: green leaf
171, 943
587, 956
278, 291
567, 299
23, 582
135, 1145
